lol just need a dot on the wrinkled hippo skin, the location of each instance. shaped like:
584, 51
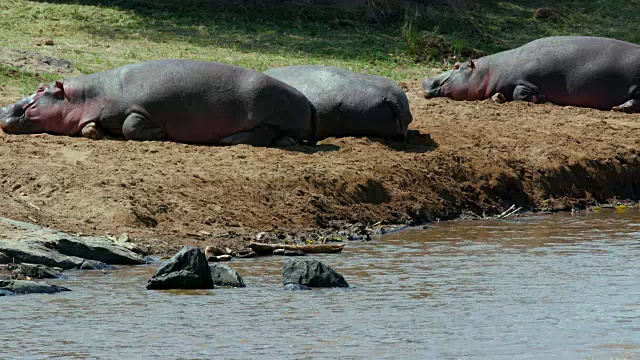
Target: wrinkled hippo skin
188, 269
223, 275
311, 273
29, 287
584, 71
179, 100
349, 103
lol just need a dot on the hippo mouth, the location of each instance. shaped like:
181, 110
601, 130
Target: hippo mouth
13, 118
435, 90
430, 93
433, 87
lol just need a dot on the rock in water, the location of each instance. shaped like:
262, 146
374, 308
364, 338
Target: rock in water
311, 273
5, 292
34, 271
188, 269
225, 276
29, 287
296, 287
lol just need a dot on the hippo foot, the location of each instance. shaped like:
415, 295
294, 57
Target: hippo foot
630, 106
92, 132
498, 98
286, 141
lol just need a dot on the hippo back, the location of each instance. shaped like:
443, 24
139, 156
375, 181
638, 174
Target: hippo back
585, 71
348, 103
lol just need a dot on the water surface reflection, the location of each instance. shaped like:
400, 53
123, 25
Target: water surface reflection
558, 286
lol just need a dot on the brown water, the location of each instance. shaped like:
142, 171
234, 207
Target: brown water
542, 287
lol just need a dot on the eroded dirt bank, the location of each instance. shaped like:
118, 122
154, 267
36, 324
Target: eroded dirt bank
475, 156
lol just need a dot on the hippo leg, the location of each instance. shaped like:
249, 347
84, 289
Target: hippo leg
92, 132
630, 106
261, 135
137, 127
528, 93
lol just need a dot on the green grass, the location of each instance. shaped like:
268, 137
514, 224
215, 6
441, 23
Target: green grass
98, 35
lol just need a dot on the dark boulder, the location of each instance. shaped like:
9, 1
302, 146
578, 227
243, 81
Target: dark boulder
34, 271
94, 265
35, 252
5, 292
188, 269
311, 273
41, 245
30, 287
225, 276
98, 249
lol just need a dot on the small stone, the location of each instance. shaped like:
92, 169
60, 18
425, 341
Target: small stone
49, 42
223, 275
498, 98
123, 238
94, 265
219, 258
211, 251
295, 287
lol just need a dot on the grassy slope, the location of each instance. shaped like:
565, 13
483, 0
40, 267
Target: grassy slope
97, 35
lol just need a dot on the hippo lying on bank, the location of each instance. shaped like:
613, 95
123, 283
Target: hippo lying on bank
582, 71
179, 100
348, 103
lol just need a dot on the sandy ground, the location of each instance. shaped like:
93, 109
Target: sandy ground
461, 156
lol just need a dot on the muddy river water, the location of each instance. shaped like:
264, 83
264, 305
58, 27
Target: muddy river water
541, 287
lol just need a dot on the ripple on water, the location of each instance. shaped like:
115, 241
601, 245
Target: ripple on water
540, 287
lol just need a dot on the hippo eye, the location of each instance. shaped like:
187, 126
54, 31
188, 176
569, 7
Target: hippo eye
456, 66
40, 88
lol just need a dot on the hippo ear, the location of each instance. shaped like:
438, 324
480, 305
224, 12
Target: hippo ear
472, 65
58, 90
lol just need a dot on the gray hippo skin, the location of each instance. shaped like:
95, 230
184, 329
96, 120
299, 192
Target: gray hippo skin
348, 103
581, 71
179, 100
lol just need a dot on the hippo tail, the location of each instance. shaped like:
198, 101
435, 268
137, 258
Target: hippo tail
312, 139
400, 106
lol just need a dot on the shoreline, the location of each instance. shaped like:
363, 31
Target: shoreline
460, 158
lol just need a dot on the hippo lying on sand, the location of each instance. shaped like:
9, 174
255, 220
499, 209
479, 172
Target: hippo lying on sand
348, 103
178, 100
582, 71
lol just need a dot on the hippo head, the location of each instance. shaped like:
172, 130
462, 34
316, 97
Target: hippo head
453, 84
40, 112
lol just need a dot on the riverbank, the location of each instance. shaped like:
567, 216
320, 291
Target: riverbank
461, 157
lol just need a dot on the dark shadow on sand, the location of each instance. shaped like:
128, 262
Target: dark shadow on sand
416, 142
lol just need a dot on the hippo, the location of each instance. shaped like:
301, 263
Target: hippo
185, 101
582, 71
348, 103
